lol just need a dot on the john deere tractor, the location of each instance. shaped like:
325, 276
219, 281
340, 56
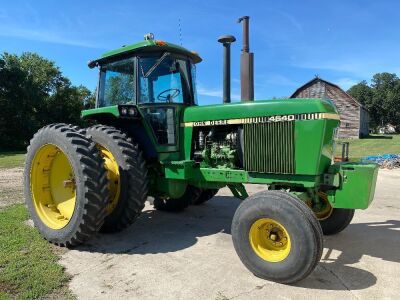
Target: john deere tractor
152, 139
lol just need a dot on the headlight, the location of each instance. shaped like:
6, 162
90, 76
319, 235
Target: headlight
128, 111
132, 112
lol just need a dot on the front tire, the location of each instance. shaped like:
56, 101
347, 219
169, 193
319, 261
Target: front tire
126, 173
338, 220
65, 185
277, 237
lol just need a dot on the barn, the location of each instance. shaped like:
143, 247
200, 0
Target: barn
353, 115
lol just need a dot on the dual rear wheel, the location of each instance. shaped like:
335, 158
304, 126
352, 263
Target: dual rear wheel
78, 182
126, 174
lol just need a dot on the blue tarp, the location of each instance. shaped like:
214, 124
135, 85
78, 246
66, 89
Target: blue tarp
380, 159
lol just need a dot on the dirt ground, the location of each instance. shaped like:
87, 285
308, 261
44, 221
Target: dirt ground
10, 186
190, 255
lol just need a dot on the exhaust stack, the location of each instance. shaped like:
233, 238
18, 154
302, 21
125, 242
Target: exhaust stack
246, 64
226, 41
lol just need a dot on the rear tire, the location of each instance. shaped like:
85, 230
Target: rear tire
339, 219
270, 217
65, 185
130, 185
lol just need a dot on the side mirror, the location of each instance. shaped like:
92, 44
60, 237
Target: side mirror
86, 104
92, 64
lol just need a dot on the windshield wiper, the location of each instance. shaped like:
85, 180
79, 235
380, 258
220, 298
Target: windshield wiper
158, 62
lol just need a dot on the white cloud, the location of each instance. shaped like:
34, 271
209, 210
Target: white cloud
345, 83
215, 92
360, 67
291, 19
209, 92
43, 36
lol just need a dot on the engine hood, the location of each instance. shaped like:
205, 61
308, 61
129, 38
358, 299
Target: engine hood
259, 109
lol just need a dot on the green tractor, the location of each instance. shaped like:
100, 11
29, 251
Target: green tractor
152, 139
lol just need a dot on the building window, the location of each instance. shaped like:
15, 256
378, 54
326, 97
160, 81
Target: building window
347, 125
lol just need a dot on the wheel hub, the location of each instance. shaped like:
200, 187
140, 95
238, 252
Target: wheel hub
53, 186
269, 240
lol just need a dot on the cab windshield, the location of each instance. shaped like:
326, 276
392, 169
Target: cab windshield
164, 79
117, 83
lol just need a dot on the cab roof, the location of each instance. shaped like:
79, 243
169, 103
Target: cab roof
147, 46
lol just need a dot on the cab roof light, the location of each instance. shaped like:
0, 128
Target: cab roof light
160, 43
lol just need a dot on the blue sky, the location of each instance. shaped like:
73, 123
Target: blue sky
341, 41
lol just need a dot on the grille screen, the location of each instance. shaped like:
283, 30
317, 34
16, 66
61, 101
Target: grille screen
269, 147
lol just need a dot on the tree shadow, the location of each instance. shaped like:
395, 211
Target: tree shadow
161, 232
10, 153
377, 137
375, 239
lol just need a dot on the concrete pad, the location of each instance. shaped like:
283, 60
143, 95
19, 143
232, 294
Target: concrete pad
190, 255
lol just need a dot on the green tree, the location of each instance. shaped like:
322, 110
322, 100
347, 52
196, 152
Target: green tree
381, 98
33, 93
88, 97
17, 102
386, 88
364, 94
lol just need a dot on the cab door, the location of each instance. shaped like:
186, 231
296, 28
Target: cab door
163, 122
165, 90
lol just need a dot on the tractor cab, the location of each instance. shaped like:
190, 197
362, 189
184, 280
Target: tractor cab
152, 79
147, 78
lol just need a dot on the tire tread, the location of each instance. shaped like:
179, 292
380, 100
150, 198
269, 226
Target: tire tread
136, 171
94, 182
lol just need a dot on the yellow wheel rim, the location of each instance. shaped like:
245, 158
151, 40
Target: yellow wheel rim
269, 240
53, 186
113, 177
326, 209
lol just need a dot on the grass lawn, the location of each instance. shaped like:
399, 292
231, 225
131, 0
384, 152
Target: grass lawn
28, 264
373, 145
11, 159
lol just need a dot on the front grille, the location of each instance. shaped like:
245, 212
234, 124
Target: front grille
269, 147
